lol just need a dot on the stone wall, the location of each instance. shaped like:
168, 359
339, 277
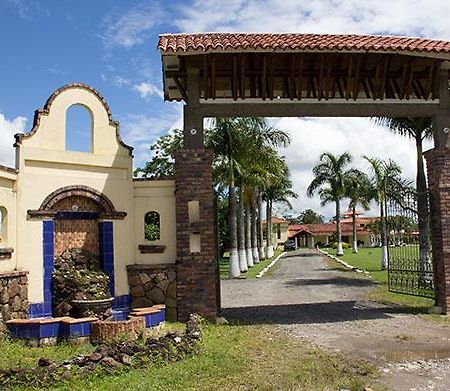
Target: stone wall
13, 296
153, 284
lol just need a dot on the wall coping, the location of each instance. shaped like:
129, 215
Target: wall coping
151, 266
13, 274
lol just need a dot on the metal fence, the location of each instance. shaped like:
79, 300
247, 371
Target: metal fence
410, 267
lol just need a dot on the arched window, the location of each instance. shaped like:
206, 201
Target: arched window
79, 129
4, 226
152, 226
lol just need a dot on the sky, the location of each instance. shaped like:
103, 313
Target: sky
111, 45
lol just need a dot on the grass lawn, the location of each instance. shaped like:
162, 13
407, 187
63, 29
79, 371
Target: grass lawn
234, 358
252, 272
368, 259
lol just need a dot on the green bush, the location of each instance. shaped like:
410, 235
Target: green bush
334, 245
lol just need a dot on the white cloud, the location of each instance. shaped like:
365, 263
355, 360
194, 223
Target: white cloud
405, 17
120, 81
360, 136
147, 90
7, 131
132, 27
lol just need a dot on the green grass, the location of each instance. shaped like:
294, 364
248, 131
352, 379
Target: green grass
234, 358
252, 272
368, 259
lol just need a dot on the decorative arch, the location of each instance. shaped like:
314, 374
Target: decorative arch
49, 207
46, 111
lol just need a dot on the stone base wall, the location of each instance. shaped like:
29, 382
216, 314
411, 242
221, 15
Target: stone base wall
13, 297
153, 284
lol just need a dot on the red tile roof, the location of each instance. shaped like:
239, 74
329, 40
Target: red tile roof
240, 42
322, 229
276, 220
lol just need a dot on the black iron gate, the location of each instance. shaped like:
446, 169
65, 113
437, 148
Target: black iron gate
410, 268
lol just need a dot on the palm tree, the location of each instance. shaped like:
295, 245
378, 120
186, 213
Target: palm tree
360, 193
385, 177
418, 129
277, 191
330, 182
238, 144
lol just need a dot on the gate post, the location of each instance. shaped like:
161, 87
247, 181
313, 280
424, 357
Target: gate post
196, 266
438, 167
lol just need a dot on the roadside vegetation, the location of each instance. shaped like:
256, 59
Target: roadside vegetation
252, 272
234, 357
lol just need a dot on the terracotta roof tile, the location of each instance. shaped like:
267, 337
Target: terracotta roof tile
182, 43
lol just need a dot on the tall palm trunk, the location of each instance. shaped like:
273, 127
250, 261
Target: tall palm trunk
241, 233
261, 251
384, 249
269, 244
339, 250
254, 239
234, 270
422, 209
355, 239
248, 237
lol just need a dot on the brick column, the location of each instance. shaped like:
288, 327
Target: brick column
438, 167
196, 268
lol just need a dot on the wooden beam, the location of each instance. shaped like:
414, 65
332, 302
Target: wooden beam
429, 87
205, 75
355, 91
300, 77
321, 72
329, 63
409, 80
271, 76
366, 108
252, 76
234, 76
213, 77
242, 78
293, 83
349, 77
264, 78
181, 88
382, 87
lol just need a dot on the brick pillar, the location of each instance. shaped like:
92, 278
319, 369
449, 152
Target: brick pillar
196, 268
438, 167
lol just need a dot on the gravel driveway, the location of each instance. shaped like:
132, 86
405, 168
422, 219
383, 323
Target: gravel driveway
305, 299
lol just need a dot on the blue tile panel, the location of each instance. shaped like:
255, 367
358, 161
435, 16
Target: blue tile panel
76, 329
120, 314
77, 215
122, 302
107, 251
36, 310
48, 264
57, 329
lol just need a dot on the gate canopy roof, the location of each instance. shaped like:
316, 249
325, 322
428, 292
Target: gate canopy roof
258, 67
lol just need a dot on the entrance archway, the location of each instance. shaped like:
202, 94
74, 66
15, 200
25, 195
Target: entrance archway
293, 75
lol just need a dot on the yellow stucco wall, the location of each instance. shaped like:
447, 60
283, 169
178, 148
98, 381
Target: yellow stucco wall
158, 196
8, 226
45, 166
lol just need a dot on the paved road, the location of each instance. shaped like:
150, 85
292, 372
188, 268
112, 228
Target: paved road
306, 299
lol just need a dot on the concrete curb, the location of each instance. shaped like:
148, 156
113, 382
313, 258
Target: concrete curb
343, 263
266, 269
